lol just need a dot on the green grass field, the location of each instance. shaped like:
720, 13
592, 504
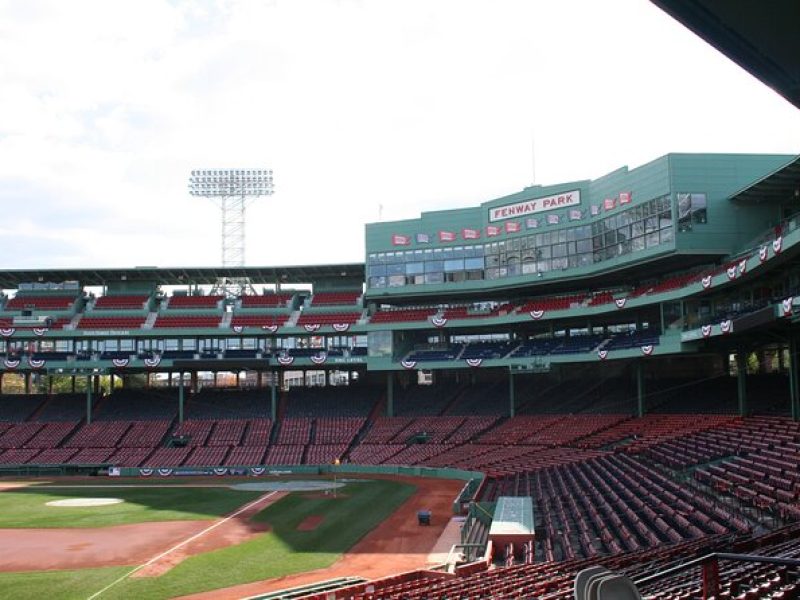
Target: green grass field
27, 507
282, 551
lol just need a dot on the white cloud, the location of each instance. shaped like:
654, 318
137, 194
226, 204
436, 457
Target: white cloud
412, 105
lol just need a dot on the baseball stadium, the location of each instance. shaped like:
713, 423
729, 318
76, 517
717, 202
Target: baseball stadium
586, 389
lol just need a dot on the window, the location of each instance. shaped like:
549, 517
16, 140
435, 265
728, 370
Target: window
699, 214
692, 210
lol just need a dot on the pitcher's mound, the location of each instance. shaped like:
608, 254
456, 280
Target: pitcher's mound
73, 502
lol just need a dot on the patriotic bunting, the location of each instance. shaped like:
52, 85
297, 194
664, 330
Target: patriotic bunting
438, 321
788, 306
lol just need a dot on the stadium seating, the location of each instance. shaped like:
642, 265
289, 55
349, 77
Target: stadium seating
121, 302
336, 298
403, 315
275, 300
194, 302
328, 318
40, 302
116, 322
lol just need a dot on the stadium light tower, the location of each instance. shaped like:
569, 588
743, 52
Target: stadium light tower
232, 190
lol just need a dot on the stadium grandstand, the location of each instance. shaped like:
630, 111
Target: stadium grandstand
622, 350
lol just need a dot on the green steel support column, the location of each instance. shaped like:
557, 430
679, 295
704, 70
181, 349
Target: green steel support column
88, 399
180, 399
640, 410
794, 391
273, 394
512, 409
27, 377
741, 380
390, 394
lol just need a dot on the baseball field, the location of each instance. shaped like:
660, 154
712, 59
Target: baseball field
90, 539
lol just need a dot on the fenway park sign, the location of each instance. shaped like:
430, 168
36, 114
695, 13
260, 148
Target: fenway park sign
536, 205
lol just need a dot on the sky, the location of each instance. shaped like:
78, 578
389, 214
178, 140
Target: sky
365, 110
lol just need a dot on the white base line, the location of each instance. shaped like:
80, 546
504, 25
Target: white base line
183, 543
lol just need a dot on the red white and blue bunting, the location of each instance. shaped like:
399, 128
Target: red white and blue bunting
285, 360
120, 363
220, 471
145, 472
237, 328
39, 331
474, 362
36, 363
311, 327
743, 266
731, 273
341, 327
152, 361
647, 349
438, 321
7, 331
319, 359
707, 281
602, 354
762, 253
165, 472
788, 306
726, 326
620, 302
256, 471
11, 363
777, 244
705, 330
409, 364
270, 328
536, 314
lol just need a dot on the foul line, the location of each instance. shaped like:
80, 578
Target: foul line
183, 543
